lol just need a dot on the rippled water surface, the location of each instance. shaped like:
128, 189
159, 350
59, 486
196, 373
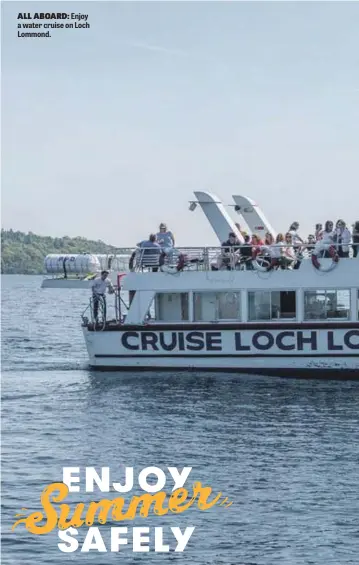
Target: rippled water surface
286, 452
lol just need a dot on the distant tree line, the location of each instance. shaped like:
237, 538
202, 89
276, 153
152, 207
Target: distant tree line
24, 253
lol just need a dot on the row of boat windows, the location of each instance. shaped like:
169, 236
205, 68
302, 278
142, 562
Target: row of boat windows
262, 306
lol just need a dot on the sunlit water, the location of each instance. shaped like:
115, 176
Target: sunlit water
286, 452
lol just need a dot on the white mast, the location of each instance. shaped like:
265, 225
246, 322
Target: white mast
253, 215
217, 216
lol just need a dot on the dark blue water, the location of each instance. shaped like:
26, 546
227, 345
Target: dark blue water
286, 452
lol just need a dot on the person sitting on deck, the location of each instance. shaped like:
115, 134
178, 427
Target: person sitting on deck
230, 250
150, 252
310, 244
246, 252
256, 243
99, 287
256, 240
283, 254
165, 238
268, 239
277, 251
267, 250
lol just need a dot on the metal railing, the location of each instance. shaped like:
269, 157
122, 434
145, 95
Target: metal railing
204, 258
102, 310
230, 258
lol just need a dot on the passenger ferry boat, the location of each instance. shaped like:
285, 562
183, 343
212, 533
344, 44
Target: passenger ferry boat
183, 313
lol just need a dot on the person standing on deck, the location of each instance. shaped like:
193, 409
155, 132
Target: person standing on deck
296, 239
99, 287
326, 240
318, 232
355, 236
342, 239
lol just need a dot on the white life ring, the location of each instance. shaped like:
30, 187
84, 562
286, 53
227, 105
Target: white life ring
333, 254
264, 265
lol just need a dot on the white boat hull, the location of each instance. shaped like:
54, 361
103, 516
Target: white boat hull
286, 350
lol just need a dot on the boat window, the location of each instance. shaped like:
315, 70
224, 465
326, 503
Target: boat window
326, 304
210, 306
272, 305
172, 307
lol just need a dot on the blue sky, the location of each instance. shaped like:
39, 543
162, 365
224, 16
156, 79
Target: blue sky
107, 131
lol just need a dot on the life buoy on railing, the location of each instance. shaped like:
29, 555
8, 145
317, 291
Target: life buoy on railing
262, 259
181, 261
334, 260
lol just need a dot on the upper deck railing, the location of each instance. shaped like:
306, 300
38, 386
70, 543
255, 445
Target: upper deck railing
244, 257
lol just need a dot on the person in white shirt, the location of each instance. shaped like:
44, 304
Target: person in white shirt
328, 233
99, 287
342, 238
290, 252
318, 232
296, 239
277, 249
326, 241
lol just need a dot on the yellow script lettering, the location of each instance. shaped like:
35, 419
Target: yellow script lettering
50, 512
146, 500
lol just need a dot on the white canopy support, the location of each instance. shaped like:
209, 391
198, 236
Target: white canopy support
253, 215
217, 216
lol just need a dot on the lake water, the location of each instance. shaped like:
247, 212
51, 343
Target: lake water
286, 452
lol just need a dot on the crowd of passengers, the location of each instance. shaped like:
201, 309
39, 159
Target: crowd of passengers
284, 251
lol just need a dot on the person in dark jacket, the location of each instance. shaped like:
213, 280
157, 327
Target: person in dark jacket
355, 237
150, 252
230, 252
246, 252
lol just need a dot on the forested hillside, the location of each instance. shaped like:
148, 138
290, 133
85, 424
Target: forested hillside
23, 253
